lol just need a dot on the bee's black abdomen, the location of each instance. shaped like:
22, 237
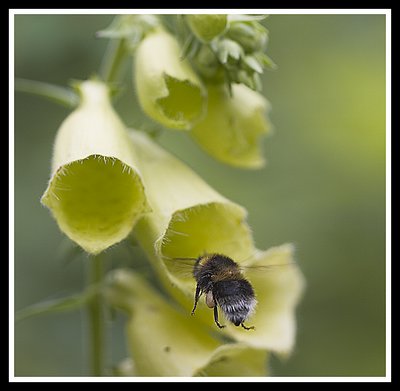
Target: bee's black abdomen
235, 298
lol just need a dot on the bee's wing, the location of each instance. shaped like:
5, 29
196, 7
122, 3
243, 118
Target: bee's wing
254, 270
277, 267
182, 267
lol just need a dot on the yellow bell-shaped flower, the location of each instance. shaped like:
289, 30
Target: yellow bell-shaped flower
233, 129
95, 192
168, 89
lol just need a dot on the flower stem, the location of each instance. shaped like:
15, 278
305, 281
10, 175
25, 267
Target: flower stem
96, 318
112, 60
61, 95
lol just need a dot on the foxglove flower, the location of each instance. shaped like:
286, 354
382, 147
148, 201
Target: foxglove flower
208, 26
169, 91
95, 192
233, 129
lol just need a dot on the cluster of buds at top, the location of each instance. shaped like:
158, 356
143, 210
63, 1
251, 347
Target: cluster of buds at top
233, 51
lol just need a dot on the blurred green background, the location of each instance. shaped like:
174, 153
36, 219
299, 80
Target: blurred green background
323, 189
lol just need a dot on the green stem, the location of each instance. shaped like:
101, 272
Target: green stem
62, 95
96, 318
112, 60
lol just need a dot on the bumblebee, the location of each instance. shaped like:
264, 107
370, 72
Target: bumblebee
221, 280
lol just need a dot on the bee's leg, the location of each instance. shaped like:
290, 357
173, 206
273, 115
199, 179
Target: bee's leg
247, 328
196, 298
216, 318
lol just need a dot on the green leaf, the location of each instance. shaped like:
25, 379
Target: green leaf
63, 304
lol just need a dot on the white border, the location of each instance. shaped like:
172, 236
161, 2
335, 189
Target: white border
11, 196
13, 12
203, 11
388, 194
202, 379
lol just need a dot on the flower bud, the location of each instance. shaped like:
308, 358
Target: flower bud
252, 36
207, 27
229, 52
168, 89
95, 192
208, 66
234, 125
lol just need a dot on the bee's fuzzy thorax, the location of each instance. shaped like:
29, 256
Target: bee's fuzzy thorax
220, 266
